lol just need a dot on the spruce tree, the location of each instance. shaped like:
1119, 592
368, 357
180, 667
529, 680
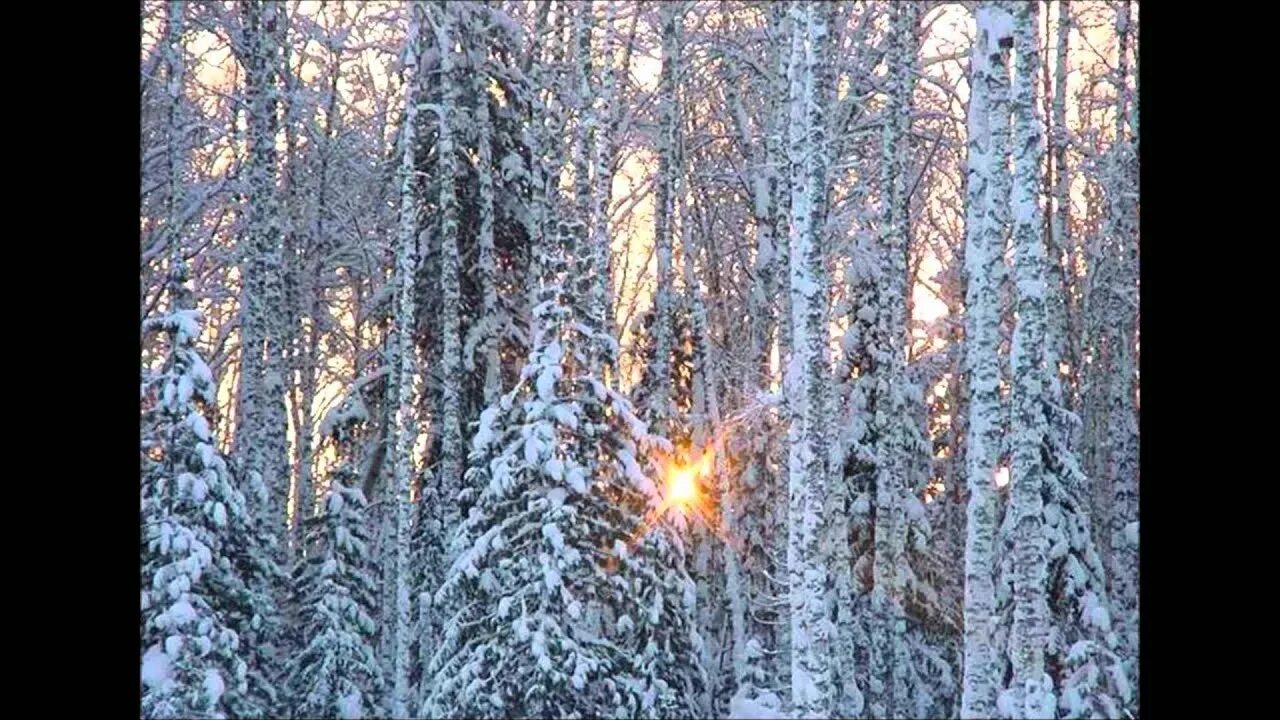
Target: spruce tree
191, 653
558, 602
337, 673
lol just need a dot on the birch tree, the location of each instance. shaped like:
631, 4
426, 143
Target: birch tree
1030, 693
806, 388
261, 437
984, 253
1122, 452
403, 366
659, 410
452, 448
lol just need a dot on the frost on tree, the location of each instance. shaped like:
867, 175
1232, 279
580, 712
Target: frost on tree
368, 232
260, 441
191, 657
984, 257
261, 454
553, 606
452, 447
1062, 647
659, 412
1030, 693
884, 443
1121, 305
337, 673
396, 572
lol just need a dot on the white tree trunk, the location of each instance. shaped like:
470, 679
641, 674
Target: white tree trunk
452, 445
260, 438
806, 382
1031, 690
664, 211
1122, 450
398, 626
984, 254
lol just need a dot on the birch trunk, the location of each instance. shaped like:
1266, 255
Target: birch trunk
452, 447
403, 368
984, 253
1031, 689
664, 210
806, 382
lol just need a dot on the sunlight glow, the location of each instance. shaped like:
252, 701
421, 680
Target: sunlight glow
682, 487
682, 481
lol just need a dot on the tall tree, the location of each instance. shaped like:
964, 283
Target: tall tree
260, 439
337, 673
546, 560
659, 411
984, 259
404, 368
191, 657
806, 385
452, 445
1030, 693
1122, 305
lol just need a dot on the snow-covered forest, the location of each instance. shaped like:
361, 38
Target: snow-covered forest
596, 358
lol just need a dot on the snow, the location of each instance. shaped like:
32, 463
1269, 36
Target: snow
185, 389
199, 489
484, 434
156, 667
199, 425
1121, 679
565, 414
546, 383
350, 706
180, 613
512, 166
555, 469
208, 455
763, 707
1099, 617
1000, 23
538, 646
803, 690
552, 533
1131, 533
173, 645
533, 449
862, 505
550, 575
214, 686
556, 496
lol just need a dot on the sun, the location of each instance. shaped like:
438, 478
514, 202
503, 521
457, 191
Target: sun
682, 485
682, 481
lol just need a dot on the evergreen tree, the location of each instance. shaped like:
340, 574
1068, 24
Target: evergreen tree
553, 562
191, 657
250, 589
337, 673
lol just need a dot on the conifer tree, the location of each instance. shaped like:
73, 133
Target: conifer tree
191, 657
337, 673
